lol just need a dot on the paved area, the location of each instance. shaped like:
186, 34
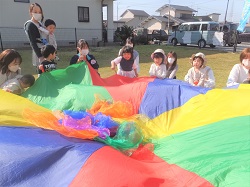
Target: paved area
239, 47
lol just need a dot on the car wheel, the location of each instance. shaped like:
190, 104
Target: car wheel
202, 43
174, 41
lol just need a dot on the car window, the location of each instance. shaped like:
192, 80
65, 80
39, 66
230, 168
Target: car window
186, 28
214, 27
195, 27
247, 30
156, 32
204, 27
163, 32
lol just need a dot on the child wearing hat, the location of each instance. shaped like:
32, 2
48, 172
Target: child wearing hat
209, 80
158, 68
195, 76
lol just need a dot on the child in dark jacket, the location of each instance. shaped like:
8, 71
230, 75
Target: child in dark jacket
83, 55
49, 54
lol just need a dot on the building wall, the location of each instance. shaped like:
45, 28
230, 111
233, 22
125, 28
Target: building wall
214, 17
152, 24
135, 22
110, 22
178, 13
65, 13
13, 15
167, 11
128, 14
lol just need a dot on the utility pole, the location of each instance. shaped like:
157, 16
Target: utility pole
225, 21
168, 15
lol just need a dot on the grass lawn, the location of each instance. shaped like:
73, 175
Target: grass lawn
221, 62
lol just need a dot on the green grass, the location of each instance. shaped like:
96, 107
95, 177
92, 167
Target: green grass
221, 62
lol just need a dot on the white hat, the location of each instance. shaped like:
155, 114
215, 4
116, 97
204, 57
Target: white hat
158, 51
200, 55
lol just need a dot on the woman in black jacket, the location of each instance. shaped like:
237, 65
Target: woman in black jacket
33, 33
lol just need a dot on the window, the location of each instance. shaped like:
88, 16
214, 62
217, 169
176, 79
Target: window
83, 14
214, 27
195, 27
204, 27
185, 27
22, 1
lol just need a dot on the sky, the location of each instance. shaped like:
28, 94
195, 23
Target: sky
203, 7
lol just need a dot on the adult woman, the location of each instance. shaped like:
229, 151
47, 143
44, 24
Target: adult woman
240, 72
10, 61
33, 33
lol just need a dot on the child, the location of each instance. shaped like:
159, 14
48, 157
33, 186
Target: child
128, 66
171, 64
130, 42
83, 55
48, 36
49, 54
209, 79
47, 33
195, 76
18, 85
10, 61
158, 68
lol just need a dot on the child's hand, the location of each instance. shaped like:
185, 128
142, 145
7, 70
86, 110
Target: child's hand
41, 68
81, 58
112, 67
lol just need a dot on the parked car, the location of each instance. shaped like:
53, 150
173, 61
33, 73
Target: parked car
160, 35
154, 35
244, 36
197, 33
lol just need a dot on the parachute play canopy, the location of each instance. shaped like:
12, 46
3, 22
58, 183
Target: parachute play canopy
73, 128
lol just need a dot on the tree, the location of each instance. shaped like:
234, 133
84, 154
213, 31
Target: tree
122, 33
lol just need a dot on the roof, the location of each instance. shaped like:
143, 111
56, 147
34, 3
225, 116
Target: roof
213, 14
159, 18
176, 7
124, 20
203, 18
174, 19
141, 13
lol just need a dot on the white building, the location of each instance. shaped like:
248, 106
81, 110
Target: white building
74, 19
131, 18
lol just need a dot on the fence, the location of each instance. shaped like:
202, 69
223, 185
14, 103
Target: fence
11, 37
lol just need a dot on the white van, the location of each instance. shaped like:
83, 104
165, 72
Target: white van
198, 33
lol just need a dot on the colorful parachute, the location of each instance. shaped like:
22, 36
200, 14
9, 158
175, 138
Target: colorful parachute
181, 135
